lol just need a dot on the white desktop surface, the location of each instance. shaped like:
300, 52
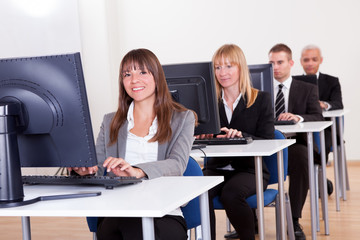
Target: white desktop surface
335, 113
256, 148
304, 127
309, 128
150, 198
340, 171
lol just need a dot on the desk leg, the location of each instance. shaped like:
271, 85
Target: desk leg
342, 162
311, 183
205, 216
26, 230
336, 163
260, 196
280, 165
148, 228
324, 198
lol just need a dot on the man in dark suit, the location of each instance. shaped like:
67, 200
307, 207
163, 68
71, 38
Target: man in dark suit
300, 103
329, 87
330, 97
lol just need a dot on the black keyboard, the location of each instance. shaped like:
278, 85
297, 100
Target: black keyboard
198, 146
224, 141
284, 122
107, 181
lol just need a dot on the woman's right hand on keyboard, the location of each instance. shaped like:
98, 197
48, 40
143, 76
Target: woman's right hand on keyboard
122, 168
204, 136
229, 133
82, 171
225, 133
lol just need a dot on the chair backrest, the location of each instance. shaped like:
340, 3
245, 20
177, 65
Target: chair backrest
92, 223
191, 211
193, 168
271, 161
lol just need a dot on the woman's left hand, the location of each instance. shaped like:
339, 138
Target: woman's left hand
230, 133
122, 168
82, 171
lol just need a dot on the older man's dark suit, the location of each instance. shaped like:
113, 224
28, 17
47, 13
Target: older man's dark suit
303, 101
330, 92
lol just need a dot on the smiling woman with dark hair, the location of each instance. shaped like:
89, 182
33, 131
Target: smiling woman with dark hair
149, 136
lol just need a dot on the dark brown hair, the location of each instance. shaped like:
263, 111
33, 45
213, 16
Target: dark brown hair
164, 104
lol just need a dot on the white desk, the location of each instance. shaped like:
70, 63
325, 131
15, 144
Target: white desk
257, 149
309, 128
340, 172
149, 199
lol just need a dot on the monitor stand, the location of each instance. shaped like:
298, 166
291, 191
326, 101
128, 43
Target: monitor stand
45, 198
11, 185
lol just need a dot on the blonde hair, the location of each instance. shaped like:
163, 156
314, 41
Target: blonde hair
235, 56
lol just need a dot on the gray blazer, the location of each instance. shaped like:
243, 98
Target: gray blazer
173, 156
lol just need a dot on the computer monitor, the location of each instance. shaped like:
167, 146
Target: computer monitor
262, 78
44, 118
193, 85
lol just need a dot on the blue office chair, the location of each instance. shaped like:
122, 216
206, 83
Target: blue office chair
191, 211
271, 197
92, 224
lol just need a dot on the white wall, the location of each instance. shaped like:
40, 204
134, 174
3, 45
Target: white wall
188, 31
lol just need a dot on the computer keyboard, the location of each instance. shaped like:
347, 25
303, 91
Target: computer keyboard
108, 182
284, 122
224, 141
198, 146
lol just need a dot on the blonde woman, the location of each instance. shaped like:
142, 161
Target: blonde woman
244, 111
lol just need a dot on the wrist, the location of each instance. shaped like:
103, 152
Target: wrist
140, 173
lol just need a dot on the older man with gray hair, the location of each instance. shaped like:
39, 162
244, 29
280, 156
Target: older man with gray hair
330, 97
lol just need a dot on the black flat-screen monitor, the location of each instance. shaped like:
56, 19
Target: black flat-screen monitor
44, 118
193, 85
262, 78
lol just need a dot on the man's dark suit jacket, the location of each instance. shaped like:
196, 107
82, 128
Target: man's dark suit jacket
256, 121
330, 91
304, 101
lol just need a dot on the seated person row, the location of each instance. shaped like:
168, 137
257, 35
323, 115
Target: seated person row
244, 111
299, 102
